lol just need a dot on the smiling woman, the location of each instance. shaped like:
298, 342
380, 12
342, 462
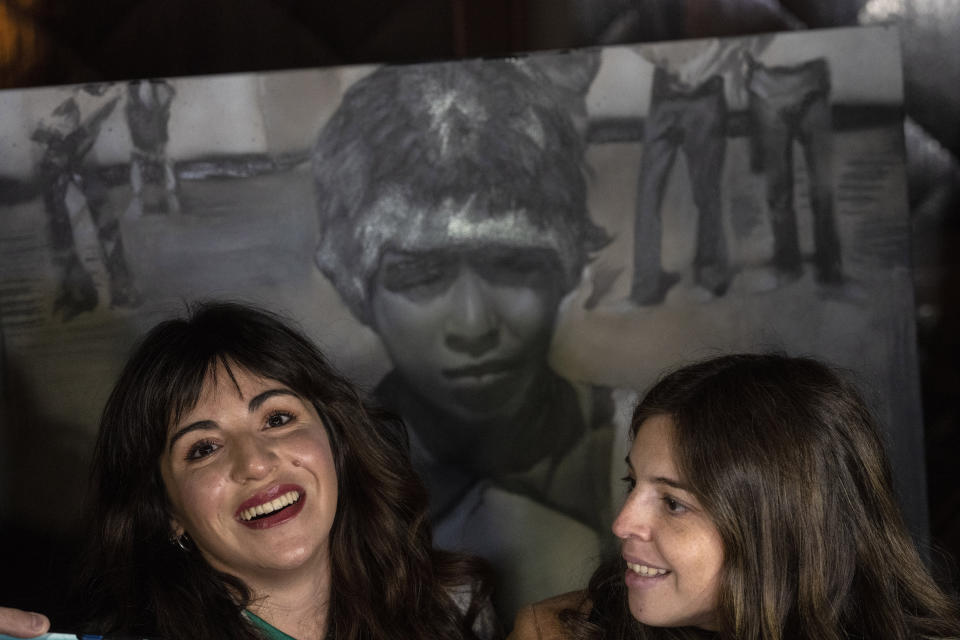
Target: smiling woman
674, 580
242, 489
249, 473
759, 506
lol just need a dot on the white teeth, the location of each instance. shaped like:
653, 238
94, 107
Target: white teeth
269, 507
644, 570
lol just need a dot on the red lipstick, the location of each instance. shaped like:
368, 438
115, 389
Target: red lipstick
275, 517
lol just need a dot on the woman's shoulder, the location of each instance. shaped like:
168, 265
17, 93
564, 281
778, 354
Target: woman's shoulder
541, 620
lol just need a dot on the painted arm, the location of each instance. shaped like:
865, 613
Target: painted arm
86, 134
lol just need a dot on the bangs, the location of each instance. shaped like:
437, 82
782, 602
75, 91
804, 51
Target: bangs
193, 378
179, 357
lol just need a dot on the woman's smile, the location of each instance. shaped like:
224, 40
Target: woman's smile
272, 507
641, 575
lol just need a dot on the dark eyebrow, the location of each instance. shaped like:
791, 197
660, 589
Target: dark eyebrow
260, 398
193, 426
255, 403
670, 482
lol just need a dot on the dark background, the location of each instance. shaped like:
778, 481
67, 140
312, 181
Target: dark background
45, 42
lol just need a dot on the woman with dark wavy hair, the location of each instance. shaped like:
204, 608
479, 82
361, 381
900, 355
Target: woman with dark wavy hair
760, 507
242, 489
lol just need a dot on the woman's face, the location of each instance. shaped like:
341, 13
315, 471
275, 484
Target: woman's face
672, 549
250, 476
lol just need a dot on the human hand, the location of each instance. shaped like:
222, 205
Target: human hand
22, 624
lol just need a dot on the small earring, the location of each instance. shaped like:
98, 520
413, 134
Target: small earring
182, 541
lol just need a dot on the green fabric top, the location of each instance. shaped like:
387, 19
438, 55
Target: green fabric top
269, 631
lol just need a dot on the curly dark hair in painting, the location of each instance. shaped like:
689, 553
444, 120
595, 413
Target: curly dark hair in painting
788, 462
387, 581
434, 155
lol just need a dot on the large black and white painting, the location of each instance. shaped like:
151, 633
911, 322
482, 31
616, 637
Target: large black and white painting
503, 252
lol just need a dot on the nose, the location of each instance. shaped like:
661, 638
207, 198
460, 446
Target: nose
635, 520
251, 459
472, 325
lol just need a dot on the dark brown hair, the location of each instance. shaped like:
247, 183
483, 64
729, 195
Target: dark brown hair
788, 462
387, 581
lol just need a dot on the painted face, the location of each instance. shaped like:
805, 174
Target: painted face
250, 476
672, 549
469, 329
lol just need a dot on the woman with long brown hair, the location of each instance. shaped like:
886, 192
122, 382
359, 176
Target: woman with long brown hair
760, 507
242, 489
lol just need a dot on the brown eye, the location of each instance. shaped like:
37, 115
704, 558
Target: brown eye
674, 506
201, 450
279, 418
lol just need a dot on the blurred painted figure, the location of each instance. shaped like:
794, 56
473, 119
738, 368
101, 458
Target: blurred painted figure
68, 134
453, 217
152, 177
787, 104
688, 112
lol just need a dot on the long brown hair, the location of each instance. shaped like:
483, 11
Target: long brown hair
387, 580
786, 459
